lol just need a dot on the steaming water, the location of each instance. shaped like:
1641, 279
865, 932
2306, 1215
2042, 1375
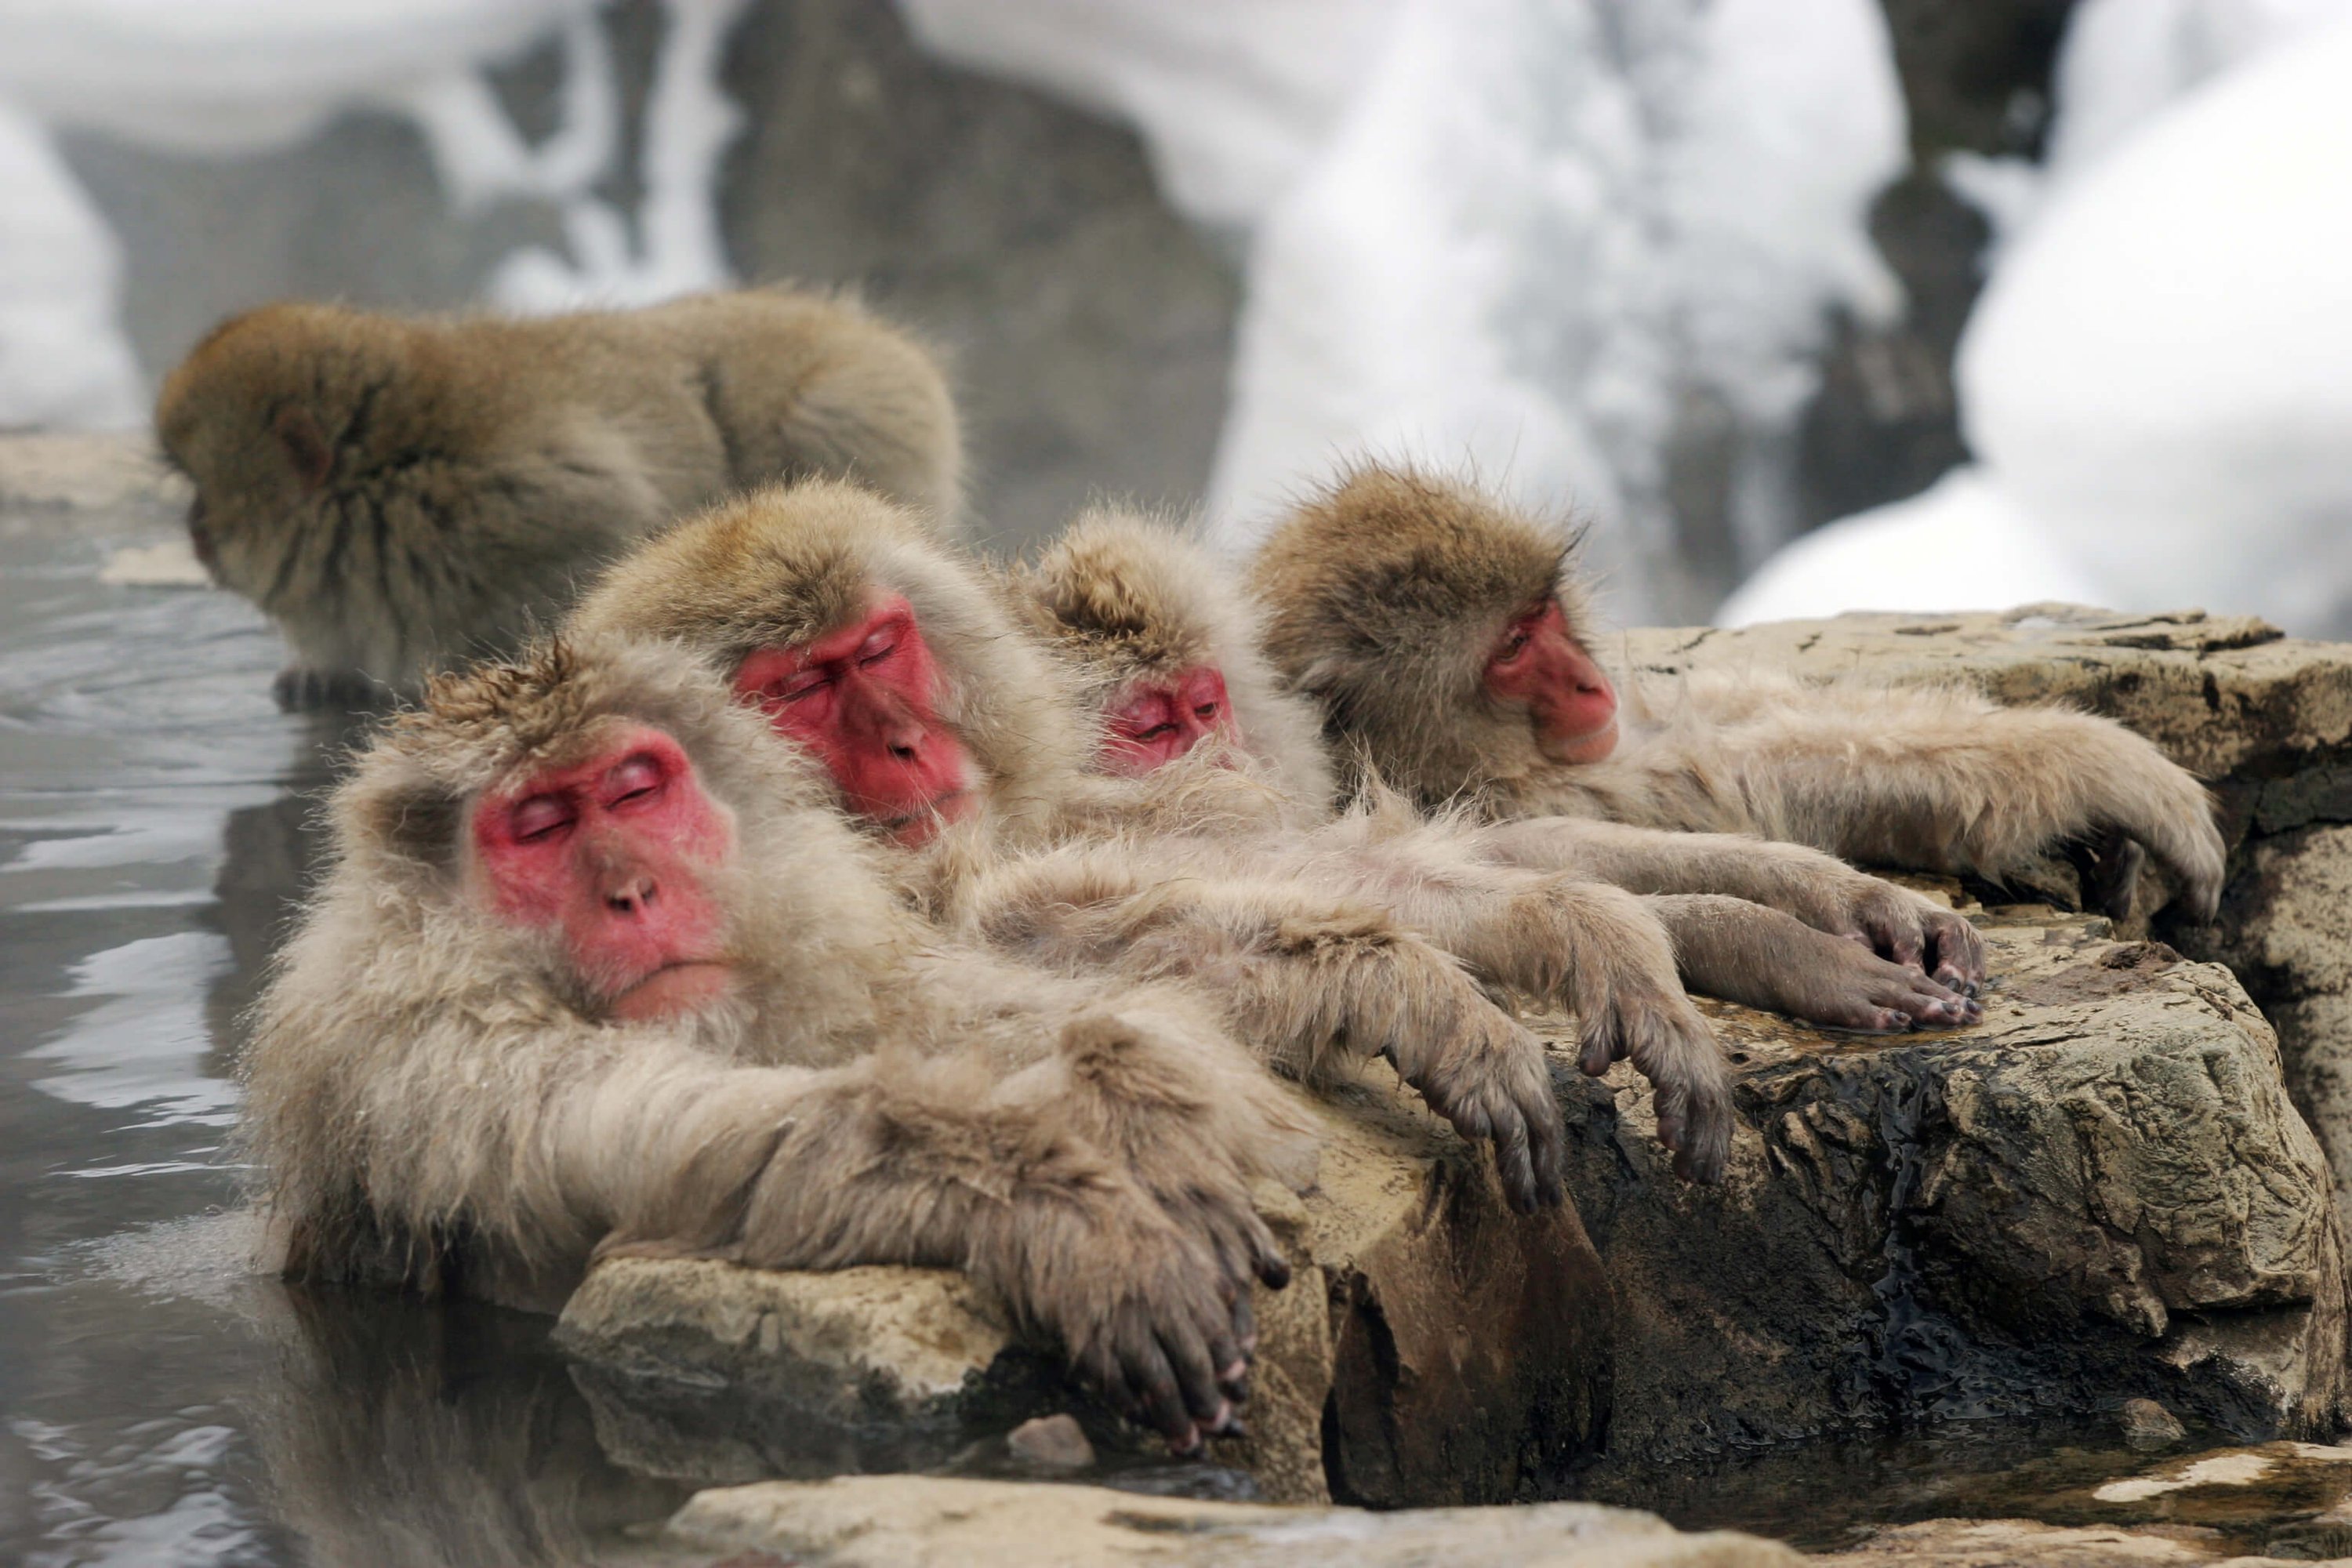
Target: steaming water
159, 1404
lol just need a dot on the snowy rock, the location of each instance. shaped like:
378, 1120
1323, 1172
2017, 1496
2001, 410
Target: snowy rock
931, 1522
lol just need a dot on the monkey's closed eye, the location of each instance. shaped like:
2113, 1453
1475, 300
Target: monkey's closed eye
638, 779
1154, 733
542, 816
791, 689
1207, 713
870, 653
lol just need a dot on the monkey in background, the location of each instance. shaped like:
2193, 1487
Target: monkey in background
402, 494
1446, 640
1146, 618
599, 968
899, 665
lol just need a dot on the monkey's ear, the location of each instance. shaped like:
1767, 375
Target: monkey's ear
305, 444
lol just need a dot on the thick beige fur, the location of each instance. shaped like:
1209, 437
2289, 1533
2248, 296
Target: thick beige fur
1206, 872
436, 1102
400, 494
1383, 594
1123, 599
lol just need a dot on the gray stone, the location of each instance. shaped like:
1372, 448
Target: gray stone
1051, 1443
908, 1522
2148, 1425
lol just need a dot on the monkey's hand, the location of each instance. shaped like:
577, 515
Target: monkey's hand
1669, 1043
1897, 924
1838, 984
1358, 979
1151, 1309
2135, 798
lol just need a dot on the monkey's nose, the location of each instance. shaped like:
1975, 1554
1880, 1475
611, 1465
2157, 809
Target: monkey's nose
904, 742
632, 898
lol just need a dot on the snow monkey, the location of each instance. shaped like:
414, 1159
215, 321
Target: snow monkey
899, 665
401, 494
1447, 641
600, 967
1138, 610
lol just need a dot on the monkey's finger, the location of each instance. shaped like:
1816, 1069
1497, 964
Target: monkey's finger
1604, 1042
1549, 1135
1154, 1382
1190, 1356
1272, 1267
1514, 1162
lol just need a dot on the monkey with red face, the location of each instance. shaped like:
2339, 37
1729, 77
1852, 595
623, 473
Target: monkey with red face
1445, 640
599, 966
884, 653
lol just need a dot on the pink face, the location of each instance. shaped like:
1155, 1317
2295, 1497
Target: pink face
864, 699
1158, 723
614, 854
1540, 663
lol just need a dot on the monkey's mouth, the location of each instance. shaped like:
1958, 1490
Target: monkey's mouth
684, 985
1592, 746
915, 828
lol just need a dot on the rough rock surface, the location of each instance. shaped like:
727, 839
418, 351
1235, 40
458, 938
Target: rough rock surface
2265, 719
919, 1522
1432, 1347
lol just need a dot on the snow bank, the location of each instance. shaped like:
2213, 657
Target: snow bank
1542, 229
1232, 97
63, 360
2157, 381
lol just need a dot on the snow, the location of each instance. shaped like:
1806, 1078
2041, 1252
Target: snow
1639, 207
1960, 543
2157, 381
1232, 97
228, 76
63, 359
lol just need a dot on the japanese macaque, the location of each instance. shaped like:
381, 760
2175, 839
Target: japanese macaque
1447, 641
401, 494
896, 663
599, 967
1134, 605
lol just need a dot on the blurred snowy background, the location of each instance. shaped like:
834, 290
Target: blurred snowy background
1906, 304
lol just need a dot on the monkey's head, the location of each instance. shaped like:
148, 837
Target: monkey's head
1163, 649
860, 637
1443, 635
607, 824
255, 416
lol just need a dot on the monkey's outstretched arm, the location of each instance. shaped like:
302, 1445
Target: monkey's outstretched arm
1759, 957
1301, 977
944, 1161
1929, 778
1818, 889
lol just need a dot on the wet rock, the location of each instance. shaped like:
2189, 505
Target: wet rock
2148, 1425
2099, 1192
1432, 1347
2265, 719
919, 1522
1051, 1443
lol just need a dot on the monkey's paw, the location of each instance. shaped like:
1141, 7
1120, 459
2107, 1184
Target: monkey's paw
1841, 984
1165, 1338
1911, 929
1488, 1076
1669, 1043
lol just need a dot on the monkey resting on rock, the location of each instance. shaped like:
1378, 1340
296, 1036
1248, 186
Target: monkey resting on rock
598, 966
1445, 640
899, 667
1163, 645
402, 494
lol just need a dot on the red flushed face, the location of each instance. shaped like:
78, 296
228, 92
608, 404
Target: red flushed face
616, 853
1539, 662
1154, 724
864, 699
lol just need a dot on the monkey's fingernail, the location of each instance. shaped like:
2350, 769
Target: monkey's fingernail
1236, 1371
1223, 1419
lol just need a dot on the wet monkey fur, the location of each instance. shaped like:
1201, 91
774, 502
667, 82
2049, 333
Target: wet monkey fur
401, 494
1133, 603
1446, 640
858, 634
599, 967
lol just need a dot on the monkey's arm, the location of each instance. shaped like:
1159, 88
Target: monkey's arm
1931, 778
1762, 958
1301, 977
1818, 889
945, 1161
